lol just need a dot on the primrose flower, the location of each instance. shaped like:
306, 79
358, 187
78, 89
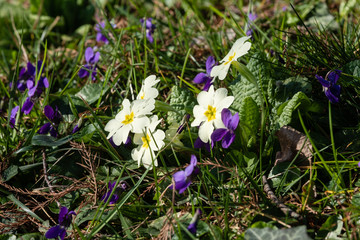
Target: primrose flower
91, 59
54, 118
147, 90
182, 179
115, 196
100, 37
240, 48
150, 28
149, 142
194, 221
226, 134
131, 118
13, 116
252, 17
208, 113
59, 230
331, 89
205, 77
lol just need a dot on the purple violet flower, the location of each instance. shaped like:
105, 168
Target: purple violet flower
26, 74
54, 118
150, 28
91, 59
13, 116
199, 144
27, 80
27, 106
75, 129
59, 230
100, 37
115, 197
182, 179
251, 18
331, 89
194, 221
227, 135
205, 77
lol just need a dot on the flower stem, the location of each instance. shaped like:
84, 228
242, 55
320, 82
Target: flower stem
333, 143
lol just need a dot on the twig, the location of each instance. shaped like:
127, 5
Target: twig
285, 209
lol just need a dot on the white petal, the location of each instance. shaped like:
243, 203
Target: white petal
126, 105
147, 159
121, 135
157, 140
243, 50
218, 123
205, 98
239, 43
137, 154
224, 103
220, 94
137, 138
199, 111
205, 131
139, 124
151, 81
112, 126
153, 123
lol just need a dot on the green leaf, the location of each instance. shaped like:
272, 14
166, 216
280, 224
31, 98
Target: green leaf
249, 118
285, 112
183, 101
329, 226
48, 141
23, 207
243, 88
91, 92
284, 170
296, 233
7, 237
10, 172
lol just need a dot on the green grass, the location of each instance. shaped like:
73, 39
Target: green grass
274, 85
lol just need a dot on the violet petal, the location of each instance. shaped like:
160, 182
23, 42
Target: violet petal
200, 78
44, 129
210, 63
323, 82
228, 139
233, 122
89, 53
218, 134
226, 117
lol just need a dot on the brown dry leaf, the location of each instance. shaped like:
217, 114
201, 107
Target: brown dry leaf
291, 142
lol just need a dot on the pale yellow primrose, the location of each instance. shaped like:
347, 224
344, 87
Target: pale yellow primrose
132, 118
240, 48
208, 113
147, 90
148, 142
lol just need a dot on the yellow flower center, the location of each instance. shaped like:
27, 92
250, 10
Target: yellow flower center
142, 97
146, 141
230, 59
128, 118
210, 113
